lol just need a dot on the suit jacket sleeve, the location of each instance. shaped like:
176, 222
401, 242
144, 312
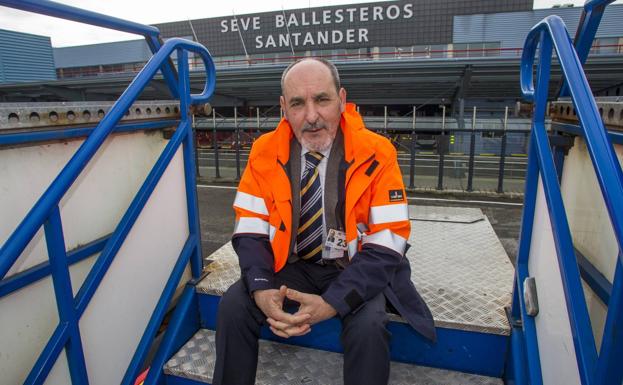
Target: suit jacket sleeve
384, 243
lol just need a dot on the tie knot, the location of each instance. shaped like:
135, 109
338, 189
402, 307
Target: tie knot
313, 159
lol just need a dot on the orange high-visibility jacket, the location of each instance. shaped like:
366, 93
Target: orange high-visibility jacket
376, 202
376, 220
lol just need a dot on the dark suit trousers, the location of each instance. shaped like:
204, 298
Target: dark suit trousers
364, 335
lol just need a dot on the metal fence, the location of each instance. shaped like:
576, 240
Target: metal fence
435, 153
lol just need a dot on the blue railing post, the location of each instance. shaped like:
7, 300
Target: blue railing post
168, 71
559, 161
525, 242
64, 296
584, 342
189, 168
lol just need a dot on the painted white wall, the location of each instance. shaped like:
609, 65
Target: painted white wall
104, 189
590, 223
28, 318
556, 348
91, 209
113, 323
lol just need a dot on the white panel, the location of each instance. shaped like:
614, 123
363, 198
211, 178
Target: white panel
103, 191
120, 309
28, 318
59, 375
556, 347
597, 312
115, 174
79, 271
91, 209
588, 217
590, 224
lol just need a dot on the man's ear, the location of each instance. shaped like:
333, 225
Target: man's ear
342, 95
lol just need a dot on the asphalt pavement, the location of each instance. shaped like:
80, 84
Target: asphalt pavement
217, 216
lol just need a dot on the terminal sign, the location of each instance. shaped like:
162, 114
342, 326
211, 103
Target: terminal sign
315, 28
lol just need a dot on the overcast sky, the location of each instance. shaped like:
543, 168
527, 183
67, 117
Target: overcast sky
66, 33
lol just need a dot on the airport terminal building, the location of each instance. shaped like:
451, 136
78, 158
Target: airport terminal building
367, 31
396, 53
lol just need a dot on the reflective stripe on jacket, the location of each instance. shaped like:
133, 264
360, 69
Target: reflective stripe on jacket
376, 209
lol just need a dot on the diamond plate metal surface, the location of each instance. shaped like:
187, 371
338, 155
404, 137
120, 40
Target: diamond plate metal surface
223, 271
463, 273
445, 214
281, 364
459, 267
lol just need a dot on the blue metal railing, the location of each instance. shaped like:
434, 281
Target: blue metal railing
604, 369
585, 34
46, 210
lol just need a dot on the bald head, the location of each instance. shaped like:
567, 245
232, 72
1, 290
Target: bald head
312, 102
307, 61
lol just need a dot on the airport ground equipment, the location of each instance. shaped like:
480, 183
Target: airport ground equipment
100, 232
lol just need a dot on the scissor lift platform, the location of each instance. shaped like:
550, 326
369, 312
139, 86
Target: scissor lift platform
460, 268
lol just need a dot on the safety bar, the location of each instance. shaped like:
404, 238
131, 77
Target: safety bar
549, 34
46, 212
20, 238
585, 34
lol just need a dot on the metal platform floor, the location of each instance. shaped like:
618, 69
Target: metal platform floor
458, 265
281, 364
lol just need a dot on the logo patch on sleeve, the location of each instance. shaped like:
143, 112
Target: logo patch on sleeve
396, 195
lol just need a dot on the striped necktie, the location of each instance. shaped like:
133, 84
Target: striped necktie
309, 235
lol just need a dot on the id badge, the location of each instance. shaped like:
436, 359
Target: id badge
336, 244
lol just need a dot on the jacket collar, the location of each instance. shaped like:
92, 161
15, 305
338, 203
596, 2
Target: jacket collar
355, 149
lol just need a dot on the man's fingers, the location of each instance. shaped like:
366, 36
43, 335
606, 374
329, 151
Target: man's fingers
294, 319
279, 332
296, 295
298, 330
288, 329
291, 331
279, 295
277, 324
279, 314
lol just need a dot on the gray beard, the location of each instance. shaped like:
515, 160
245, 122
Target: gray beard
317, 146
